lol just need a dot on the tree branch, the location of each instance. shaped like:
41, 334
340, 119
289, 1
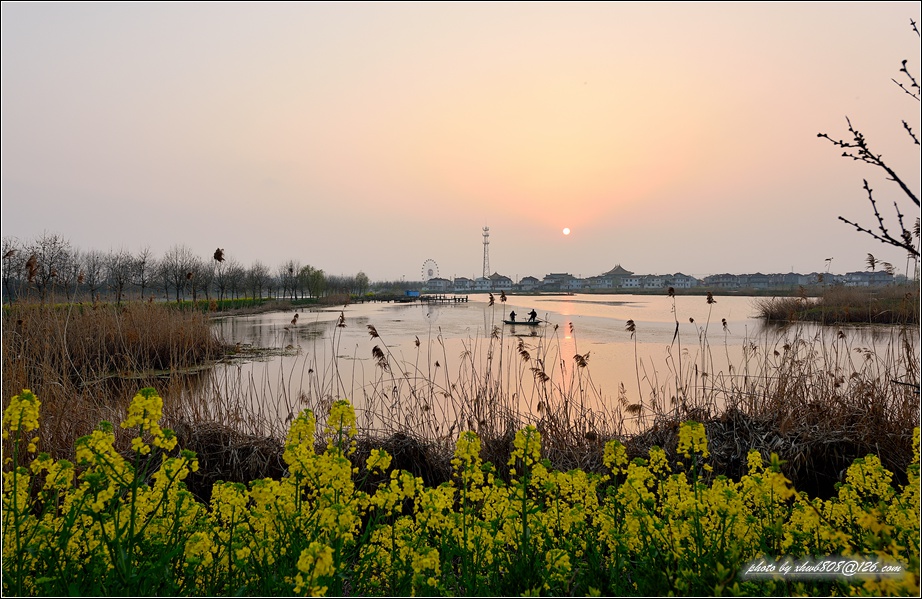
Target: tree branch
905, 241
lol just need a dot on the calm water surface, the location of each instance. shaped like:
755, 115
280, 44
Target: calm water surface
432, 347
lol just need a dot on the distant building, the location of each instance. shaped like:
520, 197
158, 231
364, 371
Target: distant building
462, 284
758, 281
612, 279
438, 284
500, 282
599, 282
793, 279
680, 281
557, 281
575, 284
617, 276
653, 282
723, 281
495, 282
868, 279
632, 282
528, 283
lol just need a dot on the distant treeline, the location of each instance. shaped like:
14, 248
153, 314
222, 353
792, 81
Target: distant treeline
49, 268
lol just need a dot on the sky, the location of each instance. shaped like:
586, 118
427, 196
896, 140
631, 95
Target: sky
374, 137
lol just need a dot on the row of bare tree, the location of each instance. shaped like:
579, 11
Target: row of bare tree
49, 268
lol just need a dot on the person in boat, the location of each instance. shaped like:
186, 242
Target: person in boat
512, 316
532, 316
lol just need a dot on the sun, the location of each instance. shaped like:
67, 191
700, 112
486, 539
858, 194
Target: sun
566, 230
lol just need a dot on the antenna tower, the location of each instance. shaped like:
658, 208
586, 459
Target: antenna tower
486, 252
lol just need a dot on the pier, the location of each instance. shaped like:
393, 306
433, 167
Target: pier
437, 298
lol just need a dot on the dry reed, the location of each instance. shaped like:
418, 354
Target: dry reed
896, 304
86, 361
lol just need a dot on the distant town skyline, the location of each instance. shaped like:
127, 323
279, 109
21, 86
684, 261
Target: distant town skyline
673, 137
52, 253
50, 267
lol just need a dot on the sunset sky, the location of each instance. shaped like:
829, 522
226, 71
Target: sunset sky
372, 137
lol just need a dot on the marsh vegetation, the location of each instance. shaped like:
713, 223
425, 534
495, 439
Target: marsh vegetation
895, 304
438, 446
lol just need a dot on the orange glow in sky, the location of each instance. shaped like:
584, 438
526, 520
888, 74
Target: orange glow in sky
675, 137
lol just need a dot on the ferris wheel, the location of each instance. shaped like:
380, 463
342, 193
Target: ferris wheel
430, 270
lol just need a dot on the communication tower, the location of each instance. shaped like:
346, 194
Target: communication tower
486, 252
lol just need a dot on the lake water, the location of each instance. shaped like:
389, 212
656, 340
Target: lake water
435, 368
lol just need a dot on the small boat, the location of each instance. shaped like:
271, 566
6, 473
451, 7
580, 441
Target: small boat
528, 323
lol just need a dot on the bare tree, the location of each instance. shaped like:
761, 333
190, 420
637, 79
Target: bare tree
219, 272
175, 268
120, 265
257, 278
202, 276
47, 256
221, 275
163, 279
14, 263
236, 278
858, 148
93, 268
340, 283
288, 277
71, 276
144, 270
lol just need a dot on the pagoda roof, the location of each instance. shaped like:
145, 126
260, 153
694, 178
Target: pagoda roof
618, 271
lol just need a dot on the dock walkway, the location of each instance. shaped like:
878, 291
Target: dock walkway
437, 298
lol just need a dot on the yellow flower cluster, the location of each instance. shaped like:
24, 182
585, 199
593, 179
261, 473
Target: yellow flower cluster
82, 517
145, 412
868, 518
615, 456
21, 416
314, 563
641, 529
378, 460
557, 563
341, 429
692, 439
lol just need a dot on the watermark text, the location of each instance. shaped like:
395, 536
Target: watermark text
820, 568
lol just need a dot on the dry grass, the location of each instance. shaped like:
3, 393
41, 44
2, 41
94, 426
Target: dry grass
896, 304
86, 361
818, 402
226, 454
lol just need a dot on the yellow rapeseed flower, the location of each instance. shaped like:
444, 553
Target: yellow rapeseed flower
378, 460
314, 563
21, 414
341, 427
558, 566
692, 439
615, 456
145, 412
